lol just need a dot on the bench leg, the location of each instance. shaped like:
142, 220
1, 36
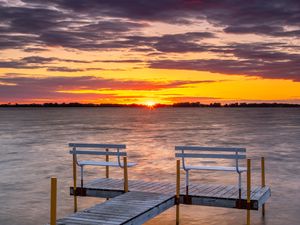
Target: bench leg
81, 173
240, 190
187, 182
125, 174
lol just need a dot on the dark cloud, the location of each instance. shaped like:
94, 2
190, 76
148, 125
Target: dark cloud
120, 61
35, 62
172, 11
29, 20
176, 43
179, 43
67, 69
227, 13
14, 41
256, 59
277, 70
275, 31
64, 69
35, 49
112, 26
260, 17
42, 25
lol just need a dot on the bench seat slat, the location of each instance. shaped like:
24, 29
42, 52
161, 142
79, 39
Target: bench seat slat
106, 146
212, 156
98, 153
215, 168
219, 149
103, 163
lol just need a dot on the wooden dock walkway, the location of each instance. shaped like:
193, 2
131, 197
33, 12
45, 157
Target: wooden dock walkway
199, 194
129, 208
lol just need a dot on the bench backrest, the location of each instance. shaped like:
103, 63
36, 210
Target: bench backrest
116, 149
102, 149
210, 152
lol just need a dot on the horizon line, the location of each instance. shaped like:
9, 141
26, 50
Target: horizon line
158, 105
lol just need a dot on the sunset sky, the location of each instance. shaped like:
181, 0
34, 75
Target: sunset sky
139, 51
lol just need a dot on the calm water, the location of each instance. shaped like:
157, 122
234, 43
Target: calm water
33, 147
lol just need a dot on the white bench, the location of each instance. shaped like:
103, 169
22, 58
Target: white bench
116, 150
237, 154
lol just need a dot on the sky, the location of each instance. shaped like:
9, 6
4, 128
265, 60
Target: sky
145, 52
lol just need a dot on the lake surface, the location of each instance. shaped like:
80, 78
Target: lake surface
33, 147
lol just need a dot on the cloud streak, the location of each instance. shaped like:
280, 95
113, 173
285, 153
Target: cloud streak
256, 59
22, 88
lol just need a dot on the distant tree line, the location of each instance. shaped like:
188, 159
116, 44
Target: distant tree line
71, 104
233, 105
180, 104
196, 104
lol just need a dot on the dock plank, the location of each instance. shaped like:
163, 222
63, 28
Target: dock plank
130, 208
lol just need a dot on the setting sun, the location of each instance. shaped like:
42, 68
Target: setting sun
150, 104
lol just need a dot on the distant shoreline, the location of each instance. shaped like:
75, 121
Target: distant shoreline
175, 105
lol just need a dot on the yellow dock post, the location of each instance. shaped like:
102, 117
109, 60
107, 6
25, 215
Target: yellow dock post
107, 167
125, 175
263, 180
53, 201
177, 190
248, 190
74, 182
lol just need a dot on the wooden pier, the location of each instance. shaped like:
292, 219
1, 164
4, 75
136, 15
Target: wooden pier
135, 201
145, 200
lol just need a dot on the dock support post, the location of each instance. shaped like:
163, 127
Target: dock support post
74, 182
125, 175
248, 190
177, 190
263, 180
107, 167
53, 201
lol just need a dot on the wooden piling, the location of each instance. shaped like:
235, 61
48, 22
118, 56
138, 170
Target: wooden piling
74, 181
177, 190
263, 180
125, 175
53, 199
107, 167
248, 190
